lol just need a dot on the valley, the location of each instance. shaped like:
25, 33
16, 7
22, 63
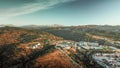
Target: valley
61, 47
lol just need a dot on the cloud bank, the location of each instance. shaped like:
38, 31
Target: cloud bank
29, 7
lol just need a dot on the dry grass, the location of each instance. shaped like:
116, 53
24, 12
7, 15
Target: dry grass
55, 59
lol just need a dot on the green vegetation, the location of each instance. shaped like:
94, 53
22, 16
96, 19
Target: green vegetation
68, 34
24, 38
78, 33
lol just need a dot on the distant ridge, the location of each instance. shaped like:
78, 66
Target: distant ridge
42, 26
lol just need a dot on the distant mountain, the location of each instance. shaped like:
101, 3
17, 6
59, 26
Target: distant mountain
41, 26
9, 25
78, 33
99, 27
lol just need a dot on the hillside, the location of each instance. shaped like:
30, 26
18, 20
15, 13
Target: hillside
56, 59
79, 33
17, 49
37, 48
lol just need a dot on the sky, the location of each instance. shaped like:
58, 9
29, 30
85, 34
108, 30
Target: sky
63, 12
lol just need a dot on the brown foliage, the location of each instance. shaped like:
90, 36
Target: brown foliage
55, 59
10, 37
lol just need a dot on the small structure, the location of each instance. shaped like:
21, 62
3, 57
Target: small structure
34, 46
88, 43
65, 46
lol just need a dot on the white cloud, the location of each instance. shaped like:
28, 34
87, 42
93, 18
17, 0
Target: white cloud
29, 8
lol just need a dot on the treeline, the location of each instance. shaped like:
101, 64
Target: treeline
79, 33
25, 38
109, 34
69, 34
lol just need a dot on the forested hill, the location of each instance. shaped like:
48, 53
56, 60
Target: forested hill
17, 49
78, 33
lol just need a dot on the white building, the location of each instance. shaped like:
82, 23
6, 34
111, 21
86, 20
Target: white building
36, 46
88, 43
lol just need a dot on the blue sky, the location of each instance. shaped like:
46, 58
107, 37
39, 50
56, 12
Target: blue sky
64, 12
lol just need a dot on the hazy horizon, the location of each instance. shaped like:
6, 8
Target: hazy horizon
63, 12
59, 24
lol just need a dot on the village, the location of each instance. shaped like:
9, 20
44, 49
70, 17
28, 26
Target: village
107, 60
112, 59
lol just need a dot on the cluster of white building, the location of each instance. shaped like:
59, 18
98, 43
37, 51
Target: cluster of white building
85, 45
94, 45
88, 45
78, 45
34, 46
112, 60
67, 44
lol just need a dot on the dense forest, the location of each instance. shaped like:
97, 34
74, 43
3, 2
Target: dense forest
78, 33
